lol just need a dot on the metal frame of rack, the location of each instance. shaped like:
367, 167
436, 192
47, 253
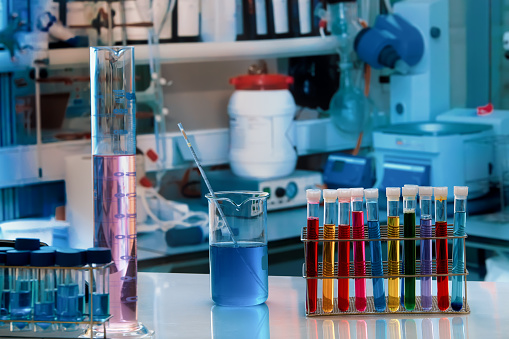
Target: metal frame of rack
370, 309
80, 332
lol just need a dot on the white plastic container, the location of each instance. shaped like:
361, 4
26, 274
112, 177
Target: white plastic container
261, 114
218, 20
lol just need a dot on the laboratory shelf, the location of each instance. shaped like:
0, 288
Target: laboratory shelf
212, 51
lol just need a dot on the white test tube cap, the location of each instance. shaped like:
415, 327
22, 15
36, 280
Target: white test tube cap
392, 192
344, 194
313, 195
357, 192
426, 191
330, 195
440, 193
371, 193
461, 191
409, 190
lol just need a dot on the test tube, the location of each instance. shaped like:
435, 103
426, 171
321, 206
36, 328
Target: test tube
441, 247
371, 195
409, 206
68, 287
359, 254
5, 284
458, 260
44, 288
425, 193
344, 198
97, 257
329, 232
20, 303
393, 194
313, 205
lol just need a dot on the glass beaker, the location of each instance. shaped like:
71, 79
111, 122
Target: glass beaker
113, 108
238, 265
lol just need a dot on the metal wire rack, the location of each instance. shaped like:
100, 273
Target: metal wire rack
370, 309
83, 327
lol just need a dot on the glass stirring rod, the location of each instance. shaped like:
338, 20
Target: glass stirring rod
426, 229
371, 195
393, 194
344, 197
458, 260
441, 247
329, 232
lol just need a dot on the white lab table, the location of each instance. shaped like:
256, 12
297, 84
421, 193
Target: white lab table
179, 306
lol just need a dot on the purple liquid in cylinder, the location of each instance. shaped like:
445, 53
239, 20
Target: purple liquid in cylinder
115, 227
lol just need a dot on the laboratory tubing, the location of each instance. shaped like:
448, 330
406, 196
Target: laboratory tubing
409, 205
344, 198
393, 194
359, 254
4, 287
44, 288
371, 195
97, 258
458, 260
239, 265
114, 176
441, 247
313, 205
329, 232
69, 283
20, 303
426, 230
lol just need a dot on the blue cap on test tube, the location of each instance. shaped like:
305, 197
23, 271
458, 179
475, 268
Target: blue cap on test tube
99, 255
27, 244
42, 258
17, 258
69, 258
3, 257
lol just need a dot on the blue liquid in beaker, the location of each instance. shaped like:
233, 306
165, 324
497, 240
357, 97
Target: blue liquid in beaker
239, 275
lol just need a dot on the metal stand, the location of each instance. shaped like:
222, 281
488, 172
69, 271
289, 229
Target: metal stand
370, 304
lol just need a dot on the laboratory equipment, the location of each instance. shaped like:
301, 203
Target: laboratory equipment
409, 206
20, 298
186, 20
329, 232
286, 192
344, 170
5, 283
375, 247
44, 288
393, 194
426, 230
359, 254
344, 201
239, 263
441, 254
458, 250
218, 21
313, 197
279, 18
70, 288
433, 154
100, 301
262, 136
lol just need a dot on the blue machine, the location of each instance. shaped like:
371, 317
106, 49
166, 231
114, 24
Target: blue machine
343, 170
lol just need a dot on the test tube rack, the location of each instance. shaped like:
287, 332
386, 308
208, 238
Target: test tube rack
84, 328
370, 309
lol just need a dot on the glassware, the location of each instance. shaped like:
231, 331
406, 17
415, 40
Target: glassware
458, 253
69, 284
100, 302
329, 232
344, 200
409, 206
359, 251
20, 303
426, 205
441, 255
313, 205
44, 288
393, 194
238, 265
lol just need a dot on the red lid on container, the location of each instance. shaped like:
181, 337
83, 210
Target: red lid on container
260, 82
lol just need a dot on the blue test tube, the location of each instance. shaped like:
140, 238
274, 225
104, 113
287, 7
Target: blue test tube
100, 301
68, 287
458, 253
44, 288
20, 298
371, 195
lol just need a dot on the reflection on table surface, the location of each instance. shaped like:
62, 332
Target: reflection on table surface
386, 328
